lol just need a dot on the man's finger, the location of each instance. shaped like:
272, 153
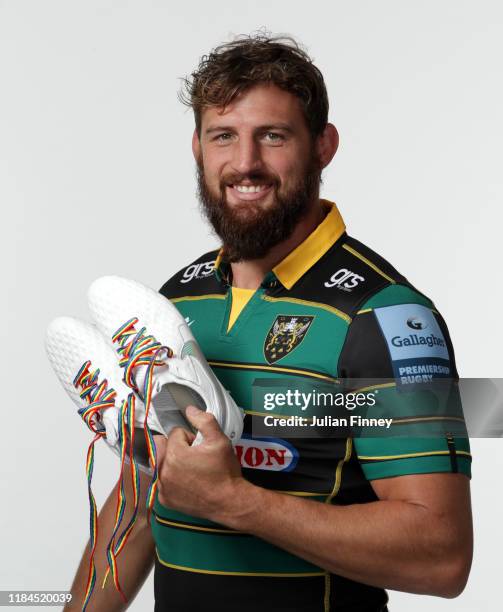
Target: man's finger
160, 447
179, 435
204, 422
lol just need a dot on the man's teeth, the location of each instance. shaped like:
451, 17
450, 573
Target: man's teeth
250, 188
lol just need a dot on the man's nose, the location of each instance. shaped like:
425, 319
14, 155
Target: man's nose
247, 157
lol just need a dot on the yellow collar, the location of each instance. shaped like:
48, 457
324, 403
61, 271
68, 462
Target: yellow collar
304, 256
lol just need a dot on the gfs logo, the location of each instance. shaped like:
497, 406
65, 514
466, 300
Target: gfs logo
201, 270
345, 280
270, 454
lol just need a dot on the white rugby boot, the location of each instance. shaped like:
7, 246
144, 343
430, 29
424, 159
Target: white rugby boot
161, 359
87, 368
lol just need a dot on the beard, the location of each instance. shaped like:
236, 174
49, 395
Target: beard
249, 231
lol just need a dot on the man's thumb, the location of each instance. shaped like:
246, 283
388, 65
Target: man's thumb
203, 422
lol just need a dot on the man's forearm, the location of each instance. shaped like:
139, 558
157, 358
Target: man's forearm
389, 544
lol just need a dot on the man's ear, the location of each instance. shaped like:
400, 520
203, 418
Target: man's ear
327, 144
196, 145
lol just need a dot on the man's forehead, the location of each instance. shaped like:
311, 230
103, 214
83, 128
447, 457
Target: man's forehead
264, 104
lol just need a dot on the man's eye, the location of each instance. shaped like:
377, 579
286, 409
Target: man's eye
273, 137
224, 137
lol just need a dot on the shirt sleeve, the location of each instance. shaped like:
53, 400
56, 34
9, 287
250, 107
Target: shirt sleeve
398, 345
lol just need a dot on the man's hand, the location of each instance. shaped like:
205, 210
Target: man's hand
198, 480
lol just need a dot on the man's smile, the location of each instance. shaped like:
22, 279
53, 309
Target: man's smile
248, 192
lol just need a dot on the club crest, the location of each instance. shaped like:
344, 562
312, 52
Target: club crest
286, 333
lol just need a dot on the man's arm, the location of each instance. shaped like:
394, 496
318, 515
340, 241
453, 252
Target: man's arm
416, 538
134, 562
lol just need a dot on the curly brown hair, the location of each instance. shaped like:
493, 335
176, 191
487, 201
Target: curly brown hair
234, 67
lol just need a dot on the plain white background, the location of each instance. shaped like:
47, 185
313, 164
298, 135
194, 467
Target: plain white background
96, 177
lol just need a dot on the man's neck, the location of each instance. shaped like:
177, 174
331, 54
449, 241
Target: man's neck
249, 274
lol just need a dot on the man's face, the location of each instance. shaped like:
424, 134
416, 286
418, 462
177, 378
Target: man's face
257, 170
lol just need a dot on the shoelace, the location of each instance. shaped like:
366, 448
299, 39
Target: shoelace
100, 398
136, 348
114, 548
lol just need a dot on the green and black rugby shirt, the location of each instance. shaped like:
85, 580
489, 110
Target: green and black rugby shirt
355, 317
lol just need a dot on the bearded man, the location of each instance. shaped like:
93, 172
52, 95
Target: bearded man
293, 523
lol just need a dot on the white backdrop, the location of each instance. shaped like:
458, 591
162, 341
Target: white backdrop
96, 177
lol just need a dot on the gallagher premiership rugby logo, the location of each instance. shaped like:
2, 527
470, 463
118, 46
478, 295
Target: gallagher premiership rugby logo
286, 333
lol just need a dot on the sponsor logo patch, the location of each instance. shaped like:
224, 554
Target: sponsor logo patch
345, 280
416, 323
195, 271
416, 344
286, 333
271, 454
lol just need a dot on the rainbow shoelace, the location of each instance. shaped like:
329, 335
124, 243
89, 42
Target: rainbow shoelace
135, 349
101, 398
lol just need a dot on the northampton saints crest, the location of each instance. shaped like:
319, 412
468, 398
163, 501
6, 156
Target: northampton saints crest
286, 333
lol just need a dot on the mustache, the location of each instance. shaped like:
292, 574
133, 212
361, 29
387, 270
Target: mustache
259, 176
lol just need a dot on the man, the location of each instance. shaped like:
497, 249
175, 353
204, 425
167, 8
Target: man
293, 523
